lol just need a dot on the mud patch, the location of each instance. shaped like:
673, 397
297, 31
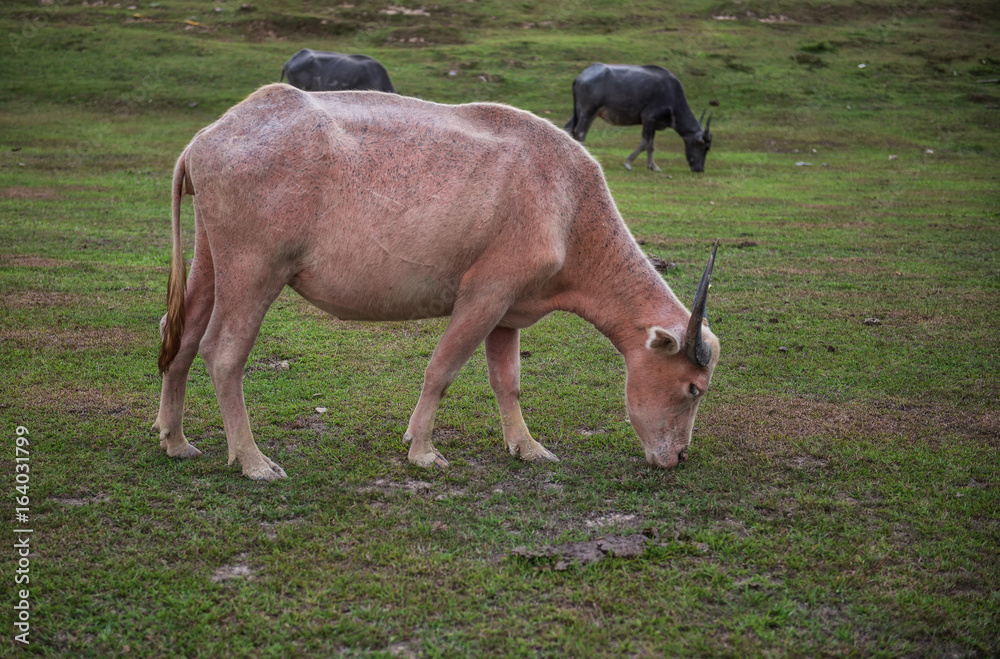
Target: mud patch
661, 265
561, 557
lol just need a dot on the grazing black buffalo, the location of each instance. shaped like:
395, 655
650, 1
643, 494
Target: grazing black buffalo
318, 71
626, 95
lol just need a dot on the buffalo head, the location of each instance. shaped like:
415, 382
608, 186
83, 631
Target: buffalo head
697, 144
667, 379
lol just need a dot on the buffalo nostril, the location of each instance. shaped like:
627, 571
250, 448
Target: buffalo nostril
683, 455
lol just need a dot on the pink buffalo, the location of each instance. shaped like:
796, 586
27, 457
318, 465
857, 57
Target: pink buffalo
380, 207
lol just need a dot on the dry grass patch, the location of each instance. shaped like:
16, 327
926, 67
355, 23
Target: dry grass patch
34, 194
85, 403
32, 299
30, 261
763, 421
111, 339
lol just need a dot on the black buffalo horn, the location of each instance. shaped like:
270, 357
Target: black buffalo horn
709, 122
702, 118
698, 351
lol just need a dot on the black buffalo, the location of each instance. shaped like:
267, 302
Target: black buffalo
626, 95
318, 71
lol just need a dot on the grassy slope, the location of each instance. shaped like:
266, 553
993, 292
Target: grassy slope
842, 493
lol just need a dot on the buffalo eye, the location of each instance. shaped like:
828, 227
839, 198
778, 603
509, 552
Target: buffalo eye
695, 391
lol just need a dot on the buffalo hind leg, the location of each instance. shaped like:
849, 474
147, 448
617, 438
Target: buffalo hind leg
199, 298
584, 120
231, 334
503, 360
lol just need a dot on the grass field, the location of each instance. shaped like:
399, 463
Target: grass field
842, 496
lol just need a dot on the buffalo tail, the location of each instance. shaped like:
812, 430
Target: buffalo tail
173, 328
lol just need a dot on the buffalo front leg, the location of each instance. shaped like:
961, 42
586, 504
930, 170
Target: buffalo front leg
648, 133
231, 334
199, 298
470, 322
503, 359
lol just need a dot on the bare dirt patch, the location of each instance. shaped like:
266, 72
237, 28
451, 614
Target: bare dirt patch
393, 10
79, 500
560, 557
807, 462
237, 570
271, 363
386, 485
313, 423
612, 519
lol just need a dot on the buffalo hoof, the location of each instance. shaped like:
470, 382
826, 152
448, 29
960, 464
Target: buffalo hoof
185, 452
536, 453
545, 454
628, 165
269, 471
180, 449
427, 460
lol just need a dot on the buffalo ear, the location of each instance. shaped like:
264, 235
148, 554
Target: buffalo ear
664, 340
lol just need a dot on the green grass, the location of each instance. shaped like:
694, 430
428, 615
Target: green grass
842, 492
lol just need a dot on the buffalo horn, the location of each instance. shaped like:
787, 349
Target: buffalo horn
698, 351
709, 122
702, 118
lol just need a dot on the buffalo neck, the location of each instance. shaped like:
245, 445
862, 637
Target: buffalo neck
621, 294
684, 121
